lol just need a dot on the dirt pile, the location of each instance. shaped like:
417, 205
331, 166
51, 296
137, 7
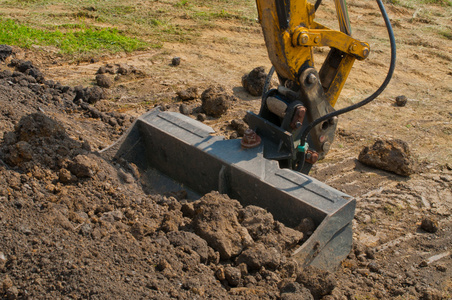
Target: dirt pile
74, 224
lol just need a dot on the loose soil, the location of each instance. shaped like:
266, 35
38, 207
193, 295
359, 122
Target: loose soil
74, 225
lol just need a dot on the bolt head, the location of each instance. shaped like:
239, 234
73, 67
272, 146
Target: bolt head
311, 78
365, 52
304, 38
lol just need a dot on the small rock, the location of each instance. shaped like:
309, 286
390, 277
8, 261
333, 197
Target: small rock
104, 81
234, 136
220, 274
183, 108
240, 126
175, 61
439, 267
373, 267
259, 256
123, 69
102, 70
423, 264
429, 225
191, 241
370, 253
401, 100
65, 175
201, 117
390, 155
232, 275
86, 229
83, 166
24, 66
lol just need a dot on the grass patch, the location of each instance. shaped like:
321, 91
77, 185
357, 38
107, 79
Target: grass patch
438, 2
86, 23
74, 39
446, 33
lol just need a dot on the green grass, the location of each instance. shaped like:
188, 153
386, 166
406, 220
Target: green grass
446, 33
74, 39
118, 25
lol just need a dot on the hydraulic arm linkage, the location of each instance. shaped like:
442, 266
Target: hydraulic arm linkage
304, 95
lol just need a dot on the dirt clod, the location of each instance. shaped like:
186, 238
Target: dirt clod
201, 117
188, 94
254, 81
5, 52
104, 81
232, 275
320, 283
215, 101
389, 155
183, 109
220, 228
240, 126
401, 100
89, 94
175, 61
83, 166
259, 256
429, 225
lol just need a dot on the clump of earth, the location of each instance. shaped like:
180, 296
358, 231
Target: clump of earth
254, 81
389, 155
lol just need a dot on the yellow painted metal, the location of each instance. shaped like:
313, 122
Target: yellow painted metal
333, 90
290, 42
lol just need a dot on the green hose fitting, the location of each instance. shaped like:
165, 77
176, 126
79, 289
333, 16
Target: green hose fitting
303, 148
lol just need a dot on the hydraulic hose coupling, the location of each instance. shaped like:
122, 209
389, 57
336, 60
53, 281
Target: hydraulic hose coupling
303, 148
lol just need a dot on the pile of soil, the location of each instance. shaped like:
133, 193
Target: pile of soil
74, 225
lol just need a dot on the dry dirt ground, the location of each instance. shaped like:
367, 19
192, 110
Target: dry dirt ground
76, 226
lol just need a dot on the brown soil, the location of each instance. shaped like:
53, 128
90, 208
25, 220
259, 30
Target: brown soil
77, 226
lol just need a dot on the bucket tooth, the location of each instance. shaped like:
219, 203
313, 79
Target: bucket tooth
186, 151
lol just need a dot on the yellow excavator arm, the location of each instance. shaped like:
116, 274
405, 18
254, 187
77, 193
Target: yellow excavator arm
290, 34
304, 94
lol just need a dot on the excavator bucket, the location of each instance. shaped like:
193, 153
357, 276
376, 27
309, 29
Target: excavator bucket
173, 149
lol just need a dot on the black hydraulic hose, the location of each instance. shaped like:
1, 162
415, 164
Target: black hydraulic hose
368, 99
317, 4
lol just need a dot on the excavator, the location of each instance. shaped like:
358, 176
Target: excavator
294, 129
